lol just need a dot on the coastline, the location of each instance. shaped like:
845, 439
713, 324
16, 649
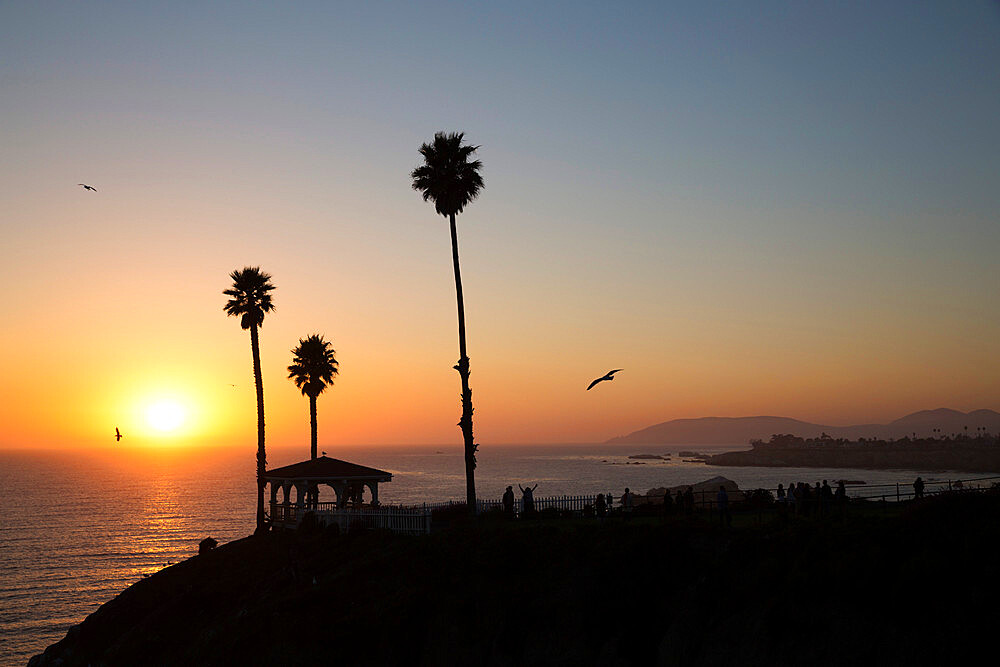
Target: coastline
166, 511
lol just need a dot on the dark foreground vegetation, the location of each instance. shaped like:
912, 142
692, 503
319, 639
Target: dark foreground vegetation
911, 585
962, 453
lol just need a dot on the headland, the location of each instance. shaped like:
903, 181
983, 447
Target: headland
963, 454
874, 587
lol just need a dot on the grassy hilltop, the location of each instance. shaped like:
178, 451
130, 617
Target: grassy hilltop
915, 586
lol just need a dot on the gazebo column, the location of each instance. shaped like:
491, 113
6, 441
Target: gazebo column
300, 493
373, 487
336, 494
286, 490
341, 489
274, 500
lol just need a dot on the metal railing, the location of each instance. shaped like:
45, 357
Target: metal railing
706, 499
563, 503
417, 520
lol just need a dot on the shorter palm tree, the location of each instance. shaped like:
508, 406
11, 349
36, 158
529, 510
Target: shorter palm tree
312, 370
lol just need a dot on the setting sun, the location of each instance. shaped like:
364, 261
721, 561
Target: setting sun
165, 416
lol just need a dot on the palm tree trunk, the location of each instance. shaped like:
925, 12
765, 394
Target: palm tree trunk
463, 370
312, 426
261, 457
314, 490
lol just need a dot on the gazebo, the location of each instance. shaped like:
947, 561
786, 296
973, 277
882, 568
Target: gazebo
348, 481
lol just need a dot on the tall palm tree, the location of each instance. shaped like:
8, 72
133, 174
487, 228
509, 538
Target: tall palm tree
250, 300
312, 370
449, 179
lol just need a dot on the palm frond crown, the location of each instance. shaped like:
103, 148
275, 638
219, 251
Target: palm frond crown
251, 297
447, 177
313, 365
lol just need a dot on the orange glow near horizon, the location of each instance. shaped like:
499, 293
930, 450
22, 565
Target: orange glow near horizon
532, 358
181, 394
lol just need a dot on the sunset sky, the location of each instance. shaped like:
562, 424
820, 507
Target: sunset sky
752, 208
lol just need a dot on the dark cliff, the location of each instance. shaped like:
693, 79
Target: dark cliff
905, 589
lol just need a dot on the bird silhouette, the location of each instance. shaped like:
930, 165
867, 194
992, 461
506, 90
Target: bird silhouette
118, 434
609, 376
88, 187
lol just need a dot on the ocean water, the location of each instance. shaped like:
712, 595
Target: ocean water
78, 528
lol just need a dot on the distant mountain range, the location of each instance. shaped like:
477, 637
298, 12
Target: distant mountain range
741, 430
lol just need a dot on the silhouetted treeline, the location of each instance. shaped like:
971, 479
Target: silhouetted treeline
960, 452
787, 441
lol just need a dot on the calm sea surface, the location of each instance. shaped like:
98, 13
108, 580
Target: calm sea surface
76, 529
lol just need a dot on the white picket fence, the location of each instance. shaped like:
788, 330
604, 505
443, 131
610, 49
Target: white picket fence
565, 503
398, 519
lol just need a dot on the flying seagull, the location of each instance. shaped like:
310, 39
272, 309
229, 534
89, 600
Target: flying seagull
88, 187
118, 434
609, 376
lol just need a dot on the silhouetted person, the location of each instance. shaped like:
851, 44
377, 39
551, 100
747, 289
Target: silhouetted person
825, 498
508, 502
918, 489
722, 498
627, 502
527, 499
668, 503
782, 502
689, 501
806, 499
840, 498
600, 506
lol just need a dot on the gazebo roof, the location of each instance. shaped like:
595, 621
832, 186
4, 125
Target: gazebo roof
324, 468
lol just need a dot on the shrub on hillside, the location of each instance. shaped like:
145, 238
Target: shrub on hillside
309, 524
759, 499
